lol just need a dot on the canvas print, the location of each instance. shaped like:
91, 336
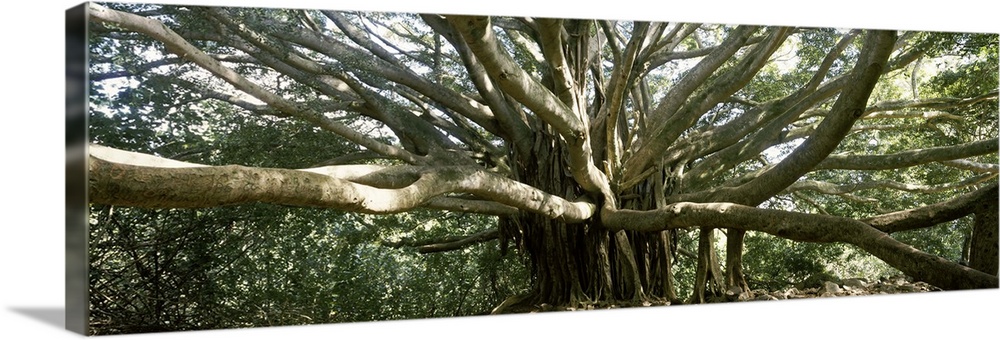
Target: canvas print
254, 167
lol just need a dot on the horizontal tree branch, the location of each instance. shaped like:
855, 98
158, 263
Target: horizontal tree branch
930, 103
141, 69
949, 155
835, 189
803, 227
934, 214
972, 166
447, 243
926, 108
126, 178
926, 115
909, 158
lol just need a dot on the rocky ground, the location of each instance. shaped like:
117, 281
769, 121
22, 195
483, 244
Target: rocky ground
813, 287
828, 287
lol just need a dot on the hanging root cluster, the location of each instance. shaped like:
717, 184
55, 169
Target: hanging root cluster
585, 265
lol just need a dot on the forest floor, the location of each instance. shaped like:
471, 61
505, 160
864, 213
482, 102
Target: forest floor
813, 287
835, 287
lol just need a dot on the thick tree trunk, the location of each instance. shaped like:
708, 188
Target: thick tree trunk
984, 246
709, 283
574, 265
734, 260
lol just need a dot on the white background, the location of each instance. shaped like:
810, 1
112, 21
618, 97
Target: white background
32, 190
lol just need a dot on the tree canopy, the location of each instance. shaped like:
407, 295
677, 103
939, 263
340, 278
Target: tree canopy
257, 166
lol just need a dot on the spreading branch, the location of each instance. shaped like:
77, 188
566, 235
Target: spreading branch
181, 47
803, 227
835, 189
934, 214
909, 158
444, 244
125, 178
